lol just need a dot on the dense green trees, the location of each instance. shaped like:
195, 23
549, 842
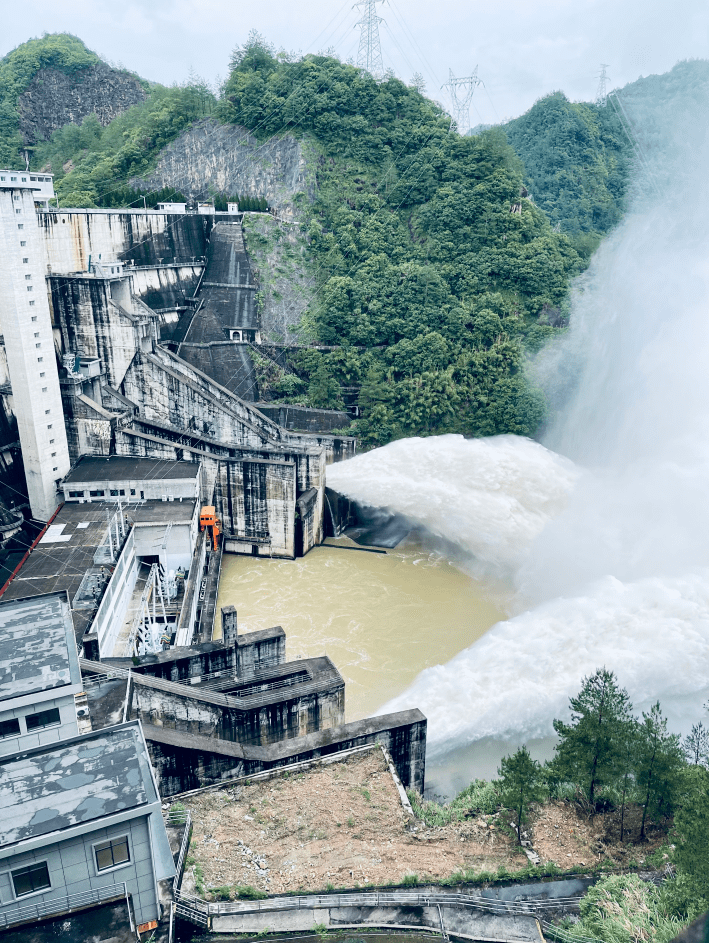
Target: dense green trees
576, 158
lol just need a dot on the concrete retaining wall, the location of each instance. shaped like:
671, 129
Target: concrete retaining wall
459, 921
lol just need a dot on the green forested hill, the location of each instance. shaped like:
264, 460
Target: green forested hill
576, 158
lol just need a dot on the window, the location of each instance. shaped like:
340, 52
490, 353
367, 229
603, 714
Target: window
34, 316
22, 242
122, 491
31, 879
16, 197
31, 305
20, 225
132, 491
18, 211
29, 288
113, 492
9, 728
48, 718
47, 412
27, 277
42, 374
54, 454
34, 178
56, 468
44, 389
36, 334
51, 441
97, 494
111, 853
40, 359
13, 178
49, 426
25, 261
75, 494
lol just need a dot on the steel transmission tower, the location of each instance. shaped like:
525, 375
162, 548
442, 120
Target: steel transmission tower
369, 56
461, 92
601, 93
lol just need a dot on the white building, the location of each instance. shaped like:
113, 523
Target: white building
25, 323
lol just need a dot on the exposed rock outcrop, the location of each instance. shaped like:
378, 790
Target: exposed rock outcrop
55, 98
213, 158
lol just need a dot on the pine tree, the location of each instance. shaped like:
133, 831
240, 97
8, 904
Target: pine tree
695, 746
658, 765
590, 747
521, 782
626, 763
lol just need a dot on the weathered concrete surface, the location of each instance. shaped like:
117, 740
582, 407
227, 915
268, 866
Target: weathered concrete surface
279, 702
55, 98
217, 158
305, 418
186, 761
460, 921
143, 236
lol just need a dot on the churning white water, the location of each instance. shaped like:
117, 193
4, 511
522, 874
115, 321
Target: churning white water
608, 546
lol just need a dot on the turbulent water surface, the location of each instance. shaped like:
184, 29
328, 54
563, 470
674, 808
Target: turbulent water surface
381, 618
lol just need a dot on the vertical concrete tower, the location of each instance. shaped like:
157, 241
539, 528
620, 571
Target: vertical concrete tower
26, 325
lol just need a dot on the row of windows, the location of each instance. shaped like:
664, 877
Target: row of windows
35, 877
100, 493
37, 721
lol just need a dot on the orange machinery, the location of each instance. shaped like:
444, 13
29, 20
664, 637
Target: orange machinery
208, 518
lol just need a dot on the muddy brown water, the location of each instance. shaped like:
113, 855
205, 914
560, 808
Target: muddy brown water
381, 617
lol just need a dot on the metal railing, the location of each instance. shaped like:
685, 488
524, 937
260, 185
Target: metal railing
379, 899
174, 820
104, 678
60, 905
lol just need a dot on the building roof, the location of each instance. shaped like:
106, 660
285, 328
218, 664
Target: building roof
65, 553
37, 646
91, 468
55, 787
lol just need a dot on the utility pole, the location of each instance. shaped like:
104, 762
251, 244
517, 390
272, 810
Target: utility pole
369, 55
601, 93
461, 92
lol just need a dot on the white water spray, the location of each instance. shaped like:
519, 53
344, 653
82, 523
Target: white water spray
615, 561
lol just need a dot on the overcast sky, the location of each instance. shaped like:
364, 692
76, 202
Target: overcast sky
523, 48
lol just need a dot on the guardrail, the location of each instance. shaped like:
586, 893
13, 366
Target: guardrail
61, 905
175, 819
377, 899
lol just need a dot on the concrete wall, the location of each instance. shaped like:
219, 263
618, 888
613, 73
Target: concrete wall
110, 615
166, 286
460, 921
256, 503
72, 869
25, 324
305, 419
265, 716
185, 761
144, 236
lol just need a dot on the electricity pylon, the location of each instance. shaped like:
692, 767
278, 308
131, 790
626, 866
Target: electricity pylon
369, 55
461, 92
601, 93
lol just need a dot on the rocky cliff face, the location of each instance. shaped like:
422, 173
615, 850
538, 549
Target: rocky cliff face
218, 158
55, 98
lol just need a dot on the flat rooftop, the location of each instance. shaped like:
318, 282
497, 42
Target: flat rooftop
123, 468
52, 788
36, 642
63, 556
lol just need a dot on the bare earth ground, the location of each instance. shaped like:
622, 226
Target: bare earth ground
343, 825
